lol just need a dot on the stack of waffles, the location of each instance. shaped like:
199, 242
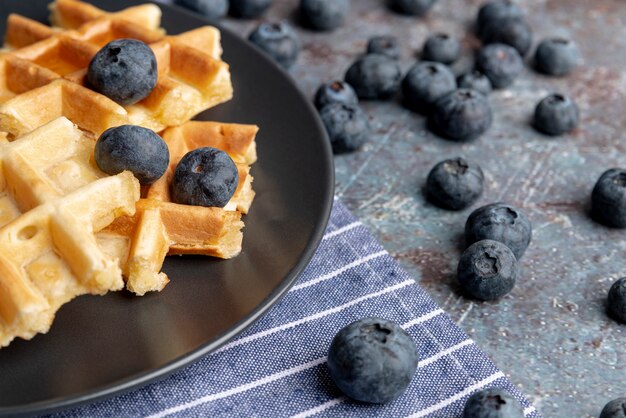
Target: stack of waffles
67, 228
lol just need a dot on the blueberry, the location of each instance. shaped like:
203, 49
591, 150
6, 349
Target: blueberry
211, 9
133, 148
335, 92
455, 184
424, 83
347, 126
608, 199
249, 8
500, 63
374, 76
372, 360
385, 45
323, 14
475, 80
461, 115
513, 32
500, 222
492, 403
494, 11
205, 177
441, 47
412, 7
279, 41
617, 300
614, 409
555, 115
124, 70
557, 56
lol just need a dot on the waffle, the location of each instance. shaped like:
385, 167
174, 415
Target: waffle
162, 227
53, 202
42, 71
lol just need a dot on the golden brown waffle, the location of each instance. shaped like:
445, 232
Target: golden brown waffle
44, 77
52, 205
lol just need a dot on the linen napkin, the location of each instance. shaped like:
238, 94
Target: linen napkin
277, 367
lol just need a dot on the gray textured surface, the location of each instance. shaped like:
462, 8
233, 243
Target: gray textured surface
551, 334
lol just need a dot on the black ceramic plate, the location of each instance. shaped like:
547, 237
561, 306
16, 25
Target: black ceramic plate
100, 346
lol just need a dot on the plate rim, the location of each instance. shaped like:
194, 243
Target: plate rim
144, 378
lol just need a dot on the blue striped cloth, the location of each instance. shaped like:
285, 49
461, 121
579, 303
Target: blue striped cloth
277, 368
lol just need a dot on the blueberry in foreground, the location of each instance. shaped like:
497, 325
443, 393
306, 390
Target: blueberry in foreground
442, 48
374, 76
412, 7
424, 83
347, 126
335, 92
608, 199
124, 70
279, 41
211, 9
455, 183
133, 148
556, 114
617, 300
497, 10
323, 14
492, 403
500, 63
372, 360
385, 45
205, 177
248, 8
614, 409
513, 32
500, 222
475, 80
487, 270
461, 115
557, 56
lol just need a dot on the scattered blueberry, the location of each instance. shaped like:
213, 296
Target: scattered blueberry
608, 199
347, 126
492, 403
617, 300
475, 80
513, 32
386, 45
211, 9
124, 70
500, 222
412, 7
556, 114
249, 8
372, 360
461, 115
441, 47
557, 56
335, 92
374, 76
614, 409
424, 83
323, 14
205, 177
494, 11
455, 184
500, 63
279, 41
133, 148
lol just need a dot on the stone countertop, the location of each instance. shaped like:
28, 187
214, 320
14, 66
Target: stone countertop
550, 335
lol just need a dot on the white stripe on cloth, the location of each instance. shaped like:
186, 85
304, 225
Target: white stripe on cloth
529, 410
273, 377
341, 230
313, 317
337, 272
425, 362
